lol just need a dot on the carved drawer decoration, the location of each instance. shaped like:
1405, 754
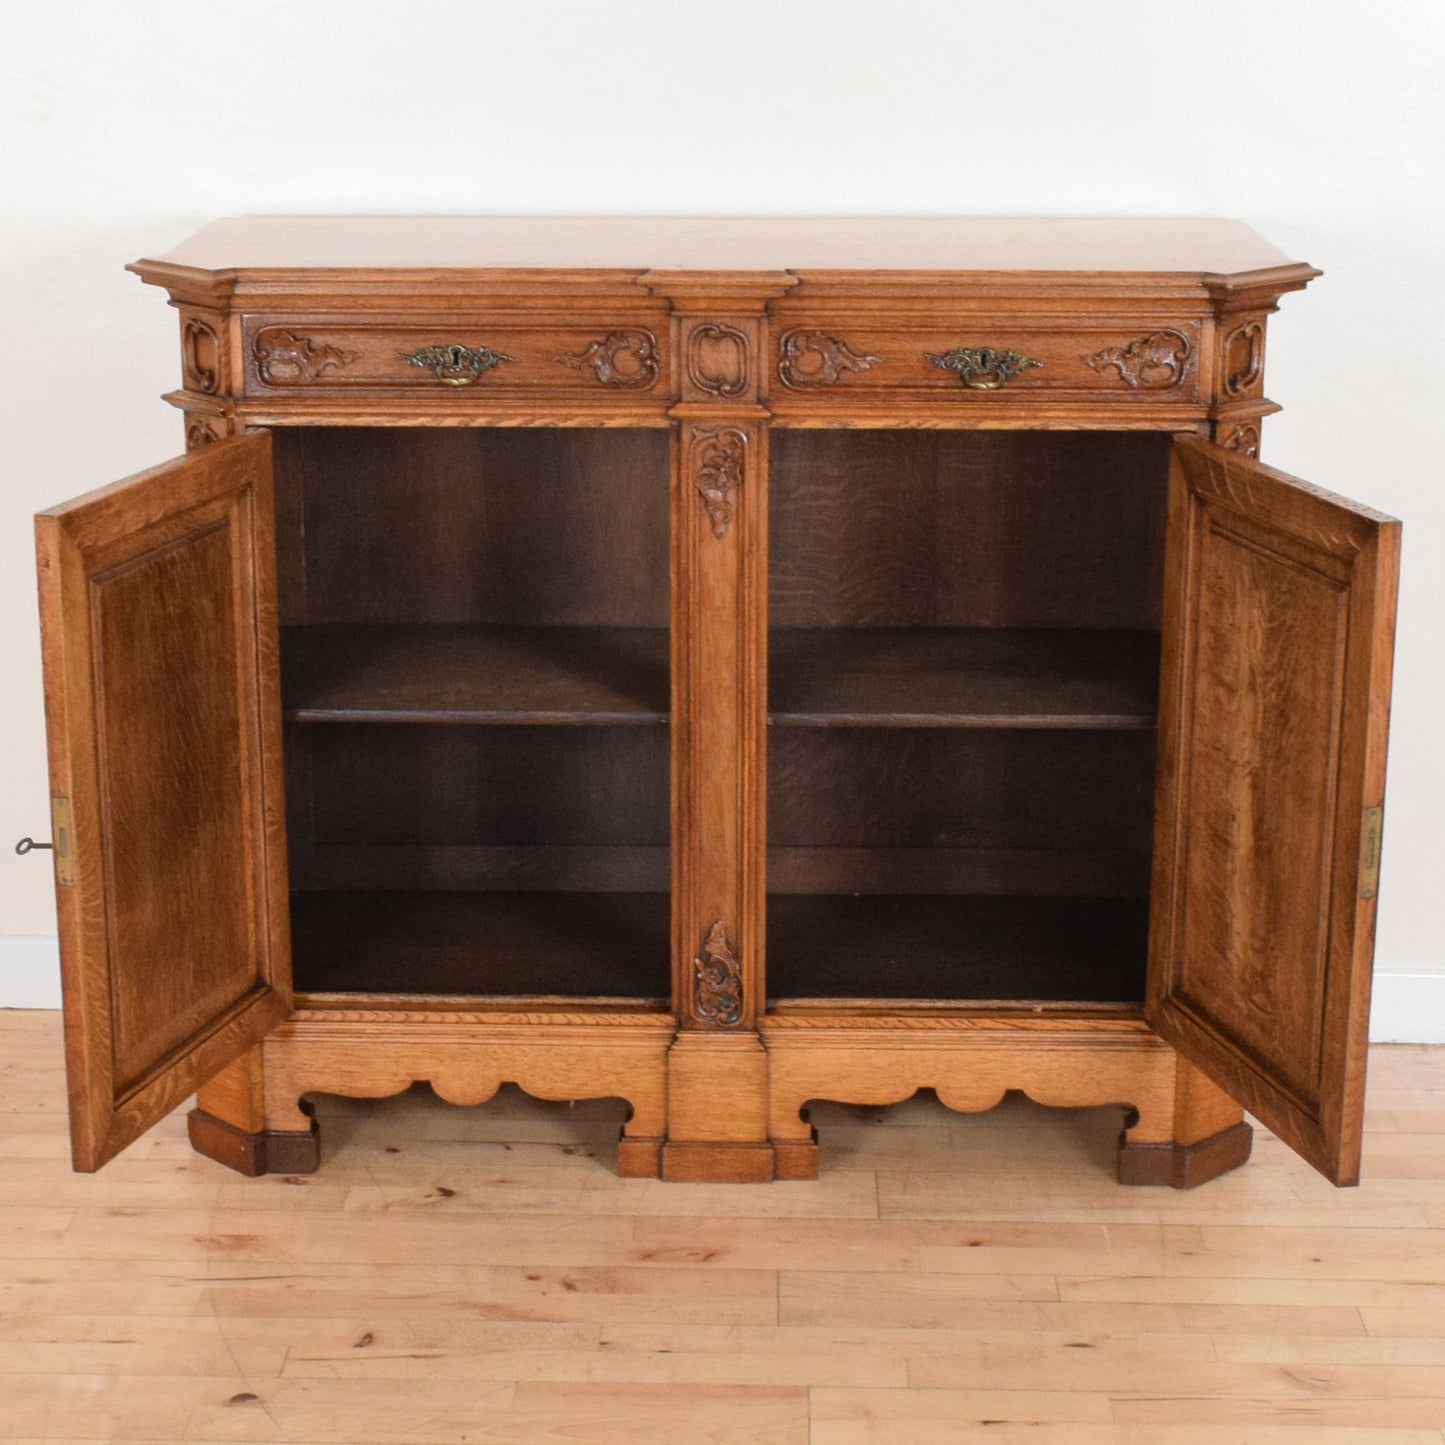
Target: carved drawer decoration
1150, 363
628, 360
808, 357
972, 362
505, 354
285, 359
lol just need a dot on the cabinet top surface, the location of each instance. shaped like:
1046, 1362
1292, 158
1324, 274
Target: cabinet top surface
632, 244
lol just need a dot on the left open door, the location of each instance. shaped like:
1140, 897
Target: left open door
162, 700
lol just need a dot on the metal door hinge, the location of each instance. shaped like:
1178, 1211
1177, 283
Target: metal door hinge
1370, 853
63, 839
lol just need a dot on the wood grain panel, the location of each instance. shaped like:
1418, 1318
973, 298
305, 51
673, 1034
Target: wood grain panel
510, 527
163, 709
556, 945
381, 784
936, 788
1275, 697
966, 529
173, 801
537, 808
1016, 950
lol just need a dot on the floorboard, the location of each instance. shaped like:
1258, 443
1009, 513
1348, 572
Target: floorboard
458, 1275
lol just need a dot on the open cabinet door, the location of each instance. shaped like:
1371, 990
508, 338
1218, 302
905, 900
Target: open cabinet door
1278, 633
157, 605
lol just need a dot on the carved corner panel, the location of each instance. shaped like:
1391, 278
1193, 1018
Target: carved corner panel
202, 355
627, 360
717, 996
1149, 363
287, 358
1242, 360
718, 458
809, 357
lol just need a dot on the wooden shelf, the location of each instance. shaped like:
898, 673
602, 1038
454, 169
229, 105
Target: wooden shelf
542, 945
963, 677
475, 674
1017, 950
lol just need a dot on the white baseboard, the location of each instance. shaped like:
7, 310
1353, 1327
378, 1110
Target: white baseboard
1407, 1008
29, 973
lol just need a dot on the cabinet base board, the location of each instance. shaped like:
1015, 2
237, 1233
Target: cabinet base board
272, 1151
795, 1158
718, 1163
639, 1158
1184, 1166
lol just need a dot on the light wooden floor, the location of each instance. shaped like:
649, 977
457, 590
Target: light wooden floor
482, 1275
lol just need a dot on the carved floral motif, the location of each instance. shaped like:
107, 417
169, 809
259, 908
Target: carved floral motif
813, 358
637, 372
285, 358
718, 980
1152, 363
717, 359
718, 460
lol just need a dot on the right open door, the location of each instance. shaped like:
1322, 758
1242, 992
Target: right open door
1279, 616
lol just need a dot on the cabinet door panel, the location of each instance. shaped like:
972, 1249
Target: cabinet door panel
1278, 634
159, 628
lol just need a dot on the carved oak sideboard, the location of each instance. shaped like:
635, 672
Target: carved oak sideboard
721, 665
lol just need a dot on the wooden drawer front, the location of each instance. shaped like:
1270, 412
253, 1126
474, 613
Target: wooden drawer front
972, 359
509, 355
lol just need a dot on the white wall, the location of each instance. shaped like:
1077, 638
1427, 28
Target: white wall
1322, 123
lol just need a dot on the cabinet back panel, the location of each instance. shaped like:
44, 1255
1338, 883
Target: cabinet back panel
965, 950
967, 528
538, 945
456, 807
544, 526
948, 811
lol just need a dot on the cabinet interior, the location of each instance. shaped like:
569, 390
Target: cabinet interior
964, 675
963, 661
474, 650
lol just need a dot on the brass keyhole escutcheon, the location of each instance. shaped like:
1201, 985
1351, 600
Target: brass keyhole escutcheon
983, 368
454, 364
